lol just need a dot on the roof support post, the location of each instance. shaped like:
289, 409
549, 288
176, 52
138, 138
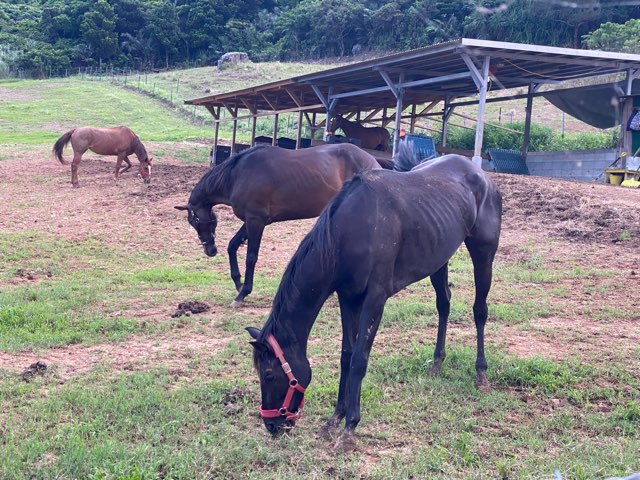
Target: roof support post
527, 120
446, 113
299, 133
254, 120
630, 76
216, 132
330, 105
275, 129
477, 150
234, 131
398, 92
412, 127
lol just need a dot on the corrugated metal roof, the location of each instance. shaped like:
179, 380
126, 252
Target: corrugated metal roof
428, 74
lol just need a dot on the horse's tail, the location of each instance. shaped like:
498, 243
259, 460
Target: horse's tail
58, 147
406, 157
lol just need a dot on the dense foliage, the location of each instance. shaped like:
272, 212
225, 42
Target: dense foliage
41, 36
542, 138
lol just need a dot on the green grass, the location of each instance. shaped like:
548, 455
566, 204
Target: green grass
43, 109
198, 419
159, 425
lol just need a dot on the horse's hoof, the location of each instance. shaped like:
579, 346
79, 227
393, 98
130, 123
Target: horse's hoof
328, 430
347, 442
482, 383
75, 185
434, 371
237, 304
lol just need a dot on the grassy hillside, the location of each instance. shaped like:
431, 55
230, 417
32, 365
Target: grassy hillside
39, 111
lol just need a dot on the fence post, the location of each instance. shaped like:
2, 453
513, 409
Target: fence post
177, 87
154, 89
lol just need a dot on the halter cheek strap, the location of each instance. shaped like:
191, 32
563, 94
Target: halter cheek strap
294, 386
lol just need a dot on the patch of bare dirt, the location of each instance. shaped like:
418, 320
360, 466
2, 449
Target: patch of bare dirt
135, 353
569, 224
571, 210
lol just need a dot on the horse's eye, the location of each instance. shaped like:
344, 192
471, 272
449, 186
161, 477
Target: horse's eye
269, 377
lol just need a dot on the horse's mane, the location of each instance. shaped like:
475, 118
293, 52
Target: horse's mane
140, 150
319, 241
218, 178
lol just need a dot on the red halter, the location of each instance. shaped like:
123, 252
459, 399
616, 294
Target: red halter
294, 386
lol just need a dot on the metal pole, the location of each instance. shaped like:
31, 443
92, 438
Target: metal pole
299, 133
412, 128
445, 118
235, 129
396, 131
216, 129
527, 121
275, 130
477, 150
254, 120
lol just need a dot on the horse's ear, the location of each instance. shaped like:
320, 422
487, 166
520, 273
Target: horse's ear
254, 332
149, 160
181, 207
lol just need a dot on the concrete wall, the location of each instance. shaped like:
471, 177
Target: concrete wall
576, 165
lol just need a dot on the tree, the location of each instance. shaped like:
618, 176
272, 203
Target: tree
615, 37
98, 30
163, 30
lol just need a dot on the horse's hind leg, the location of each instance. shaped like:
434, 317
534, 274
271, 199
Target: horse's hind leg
77, 156
255, 228
232, 250
482, 254
440, 282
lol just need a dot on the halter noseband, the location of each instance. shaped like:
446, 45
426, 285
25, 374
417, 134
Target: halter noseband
294, 386
197, 221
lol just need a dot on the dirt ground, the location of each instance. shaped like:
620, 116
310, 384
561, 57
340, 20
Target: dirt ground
569, 224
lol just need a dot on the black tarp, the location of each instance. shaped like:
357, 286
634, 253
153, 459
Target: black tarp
597, 105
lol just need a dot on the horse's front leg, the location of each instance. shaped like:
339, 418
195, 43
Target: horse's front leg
368, 327
118, 164
128, 162
350, 312
232, 250
255, 228
440, 282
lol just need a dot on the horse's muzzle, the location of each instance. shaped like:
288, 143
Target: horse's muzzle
147, 181
210, 250
277, 427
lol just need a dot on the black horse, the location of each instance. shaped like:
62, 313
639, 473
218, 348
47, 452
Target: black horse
267, 184
382, 232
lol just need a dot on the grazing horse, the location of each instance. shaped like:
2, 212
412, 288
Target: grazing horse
374, 138
266, 184
382, 232
120, 141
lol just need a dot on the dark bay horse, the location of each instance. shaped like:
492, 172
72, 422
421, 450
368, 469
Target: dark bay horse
119, 141
266, 184
382, 232
374, 138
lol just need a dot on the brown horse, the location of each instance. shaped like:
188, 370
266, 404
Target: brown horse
374, 138
267, 184
120, 141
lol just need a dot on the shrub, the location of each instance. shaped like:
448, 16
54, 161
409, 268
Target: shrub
542, 138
